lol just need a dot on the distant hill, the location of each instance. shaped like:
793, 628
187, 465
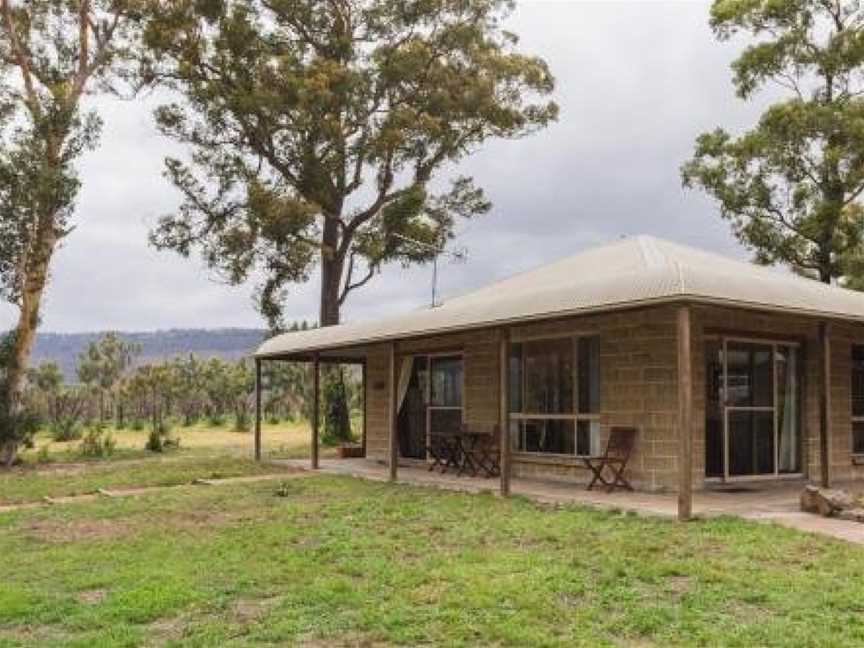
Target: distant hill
229, 344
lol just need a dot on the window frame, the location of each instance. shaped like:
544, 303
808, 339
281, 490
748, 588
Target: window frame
853, 418
517, 432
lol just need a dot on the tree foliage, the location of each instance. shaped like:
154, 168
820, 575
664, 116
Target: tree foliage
791, 186
52, 54
317, 128
103, 363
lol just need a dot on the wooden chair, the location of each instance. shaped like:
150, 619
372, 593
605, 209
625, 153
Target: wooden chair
443, 450
617, 455
487, 453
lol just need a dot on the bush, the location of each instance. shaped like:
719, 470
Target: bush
43, 456
97, 442
242, 421
65, 429
137, 425
159, 438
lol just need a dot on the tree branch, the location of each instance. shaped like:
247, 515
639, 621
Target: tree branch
22, 60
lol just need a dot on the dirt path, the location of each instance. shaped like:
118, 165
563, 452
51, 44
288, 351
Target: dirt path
148, 490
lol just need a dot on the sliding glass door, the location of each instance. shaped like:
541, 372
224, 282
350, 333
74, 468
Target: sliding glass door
751, 413
430, 394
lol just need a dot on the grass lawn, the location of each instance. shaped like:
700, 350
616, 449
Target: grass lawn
205, 452
339, 561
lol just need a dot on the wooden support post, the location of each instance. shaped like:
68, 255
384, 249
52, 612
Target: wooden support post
825, 405
257, 409
685, 416
316, 406
365, 414
392, 415
504, 406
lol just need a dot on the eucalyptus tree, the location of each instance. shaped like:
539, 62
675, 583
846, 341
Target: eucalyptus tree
317, 128
104, 362
188, 375
53, 54
791, 186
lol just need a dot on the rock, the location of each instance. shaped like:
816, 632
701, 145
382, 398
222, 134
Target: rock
827, 502
853, 514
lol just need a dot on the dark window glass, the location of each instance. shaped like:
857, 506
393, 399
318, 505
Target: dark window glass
589, 376
515, 378
858, 437
713, 409
547, 436
751, 442
583, 437
750, 375
858, 381
445, 421
548, 376
446, 374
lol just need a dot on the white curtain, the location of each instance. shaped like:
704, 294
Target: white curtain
404, 381
789, 415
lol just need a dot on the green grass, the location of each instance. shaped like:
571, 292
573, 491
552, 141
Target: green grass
204, 452
346, 562
169, 469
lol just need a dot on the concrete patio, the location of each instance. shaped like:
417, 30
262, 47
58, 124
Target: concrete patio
773, 502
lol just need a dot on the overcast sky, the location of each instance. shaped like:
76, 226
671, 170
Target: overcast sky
637, 82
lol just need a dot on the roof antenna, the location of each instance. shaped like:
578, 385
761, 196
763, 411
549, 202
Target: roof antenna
459, 255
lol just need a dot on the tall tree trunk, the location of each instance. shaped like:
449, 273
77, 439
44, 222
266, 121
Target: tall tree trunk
35, 277
332, 266
337, 417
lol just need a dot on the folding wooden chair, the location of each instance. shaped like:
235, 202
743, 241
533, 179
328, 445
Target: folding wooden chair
437, 451
444, 451
488, 453
617, 455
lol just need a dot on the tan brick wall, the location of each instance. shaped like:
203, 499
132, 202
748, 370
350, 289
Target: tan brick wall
377, 395
638, 387
638, 368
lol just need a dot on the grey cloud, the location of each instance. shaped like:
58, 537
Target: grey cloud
637, 82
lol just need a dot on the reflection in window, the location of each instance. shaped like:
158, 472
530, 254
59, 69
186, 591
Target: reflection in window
555, 395
750, 375
858, 399
446, 382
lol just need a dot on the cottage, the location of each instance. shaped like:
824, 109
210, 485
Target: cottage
728, 371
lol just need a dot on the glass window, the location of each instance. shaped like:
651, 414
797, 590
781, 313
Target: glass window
858, 381
548, 382
858, 399
446, 389
750, 375
445, 421
751, 442
587, 438
589, 376
554, 387
552, 436
515, 378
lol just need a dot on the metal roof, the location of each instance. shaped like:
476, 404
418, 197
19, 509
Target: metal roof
634, 271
